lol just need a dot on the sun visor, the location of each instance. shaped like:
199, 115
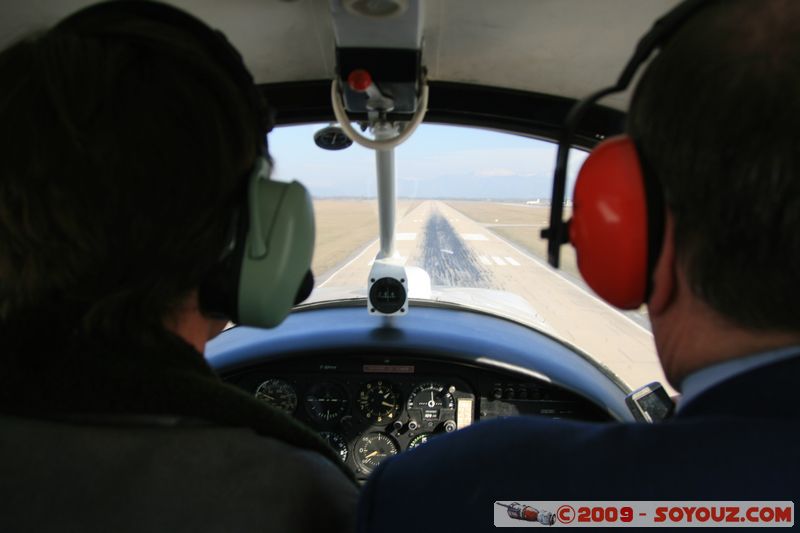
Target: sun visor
382, 38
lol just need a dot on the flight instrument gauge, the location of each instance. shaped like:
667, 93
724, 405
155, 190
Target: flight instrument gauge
278, 393
326, 402
373, 448
430, 399
419, 440
337, 443
378, 402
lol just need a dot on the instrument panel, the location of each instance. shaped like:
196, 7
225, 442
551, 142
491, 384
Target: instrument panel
369, 409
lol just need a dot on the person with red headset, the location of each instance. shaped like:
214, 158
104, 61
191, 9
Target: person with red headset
136, 218
695, 212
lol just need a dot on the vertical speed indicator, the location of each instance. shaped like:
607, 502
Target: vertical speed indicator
337, 443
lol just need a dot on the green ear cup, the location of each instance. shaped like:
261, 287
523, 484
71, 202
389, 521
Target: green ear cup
278, 249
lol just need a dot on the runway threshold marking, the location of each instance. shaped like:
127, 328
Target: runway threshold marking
543, 266
499, 261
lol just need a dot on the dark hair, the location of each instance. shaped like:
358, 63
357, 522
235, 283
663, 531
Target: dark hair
122, 158
716, 118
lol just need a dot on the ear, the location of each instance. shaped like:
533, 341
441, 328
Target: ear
664, 275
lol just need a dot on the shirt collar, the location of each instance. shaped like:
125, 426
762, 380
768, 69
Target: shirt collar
706, 378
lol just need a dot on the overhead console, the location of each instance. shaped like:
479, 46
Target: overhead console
378, 42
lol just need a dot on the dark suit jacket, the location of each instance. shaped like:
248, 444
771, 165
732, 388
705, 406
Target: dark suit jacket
739, 440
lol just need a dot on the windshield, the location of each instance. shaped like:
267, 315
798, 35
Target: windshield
471, 204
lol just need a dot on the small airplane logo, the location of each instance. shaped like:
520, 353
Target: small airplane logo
517, 511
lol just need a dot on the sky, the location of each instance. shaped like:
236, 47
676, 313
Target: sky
436, 162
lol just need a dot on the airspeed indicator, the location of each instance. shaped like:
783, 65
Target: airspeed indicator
278, 393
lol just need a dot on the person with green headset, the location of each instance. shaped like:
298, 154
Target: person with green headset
136, 218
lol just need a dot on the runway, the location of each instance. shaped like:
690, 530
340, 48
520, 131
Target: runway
457, 251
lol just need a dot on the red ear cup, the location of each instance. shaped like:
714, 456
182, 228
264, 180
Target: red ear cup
609, 223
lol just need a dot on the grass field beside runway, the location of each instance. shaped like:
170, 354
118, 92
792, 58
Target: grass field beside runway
344, 226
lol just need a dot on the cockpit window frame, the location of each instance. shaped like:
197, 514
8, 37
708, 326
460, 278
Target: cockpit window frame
533, 114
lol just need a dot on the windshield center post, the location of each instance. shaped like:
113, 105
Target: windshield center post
388, 283
387, 197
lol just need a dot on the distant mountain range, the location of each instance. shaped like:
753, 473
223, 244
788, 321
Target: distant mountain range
520, 188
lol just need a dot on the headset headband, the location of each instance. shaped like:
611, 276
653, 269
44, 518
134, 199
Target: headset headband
96, 20
663, 29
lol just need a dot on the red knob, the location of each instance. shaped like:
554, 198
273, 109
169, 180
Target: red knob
359, 80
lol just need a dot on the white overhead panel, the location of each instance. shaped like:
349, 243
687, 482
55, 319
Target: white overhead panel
560, 47
377, 23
